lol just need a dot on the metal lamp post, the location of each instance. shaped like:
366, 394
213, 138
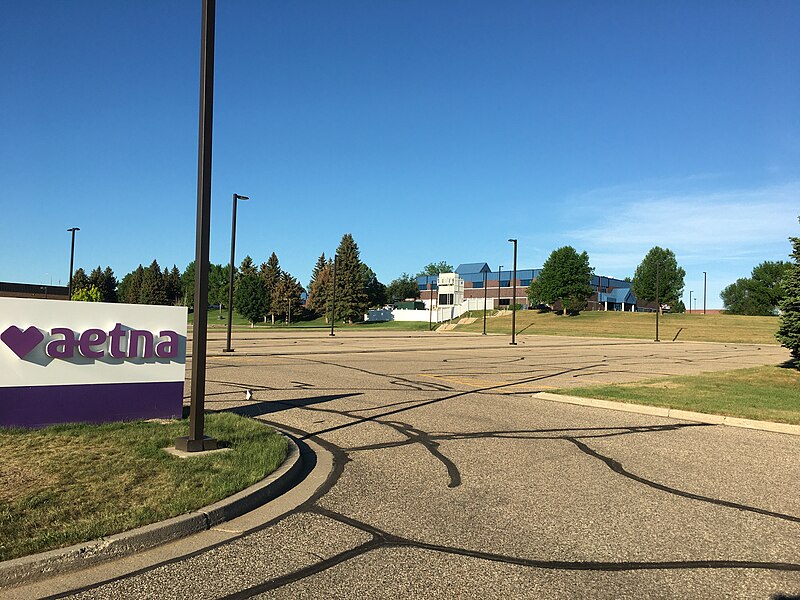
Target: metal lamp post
485, 281
705, 278
71, 260
230, 273
499, 277
514, 297
196, 440
690, 301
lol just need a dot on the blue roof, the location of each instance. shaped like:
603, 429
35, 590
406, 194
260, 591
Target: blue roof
469, 268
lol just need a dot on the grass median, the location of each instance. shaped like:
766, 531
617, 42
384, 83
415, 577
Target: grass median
73, 483
683, 327
763, 393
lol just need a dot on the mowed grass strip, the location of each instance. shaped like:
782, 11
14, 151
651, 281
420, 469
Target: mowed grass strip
216, 320
688, 327
763, 393
73, 483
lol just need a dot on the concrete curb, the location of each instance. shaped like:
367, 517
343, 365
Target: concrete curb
31, 568
673, 413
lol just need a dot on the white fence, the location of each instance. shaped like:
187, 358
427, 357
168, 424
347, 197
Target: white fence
437, 315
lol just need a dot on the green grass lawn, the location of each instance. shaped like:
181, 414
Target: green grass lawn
215, 319
763, 393
72, 483
687, 327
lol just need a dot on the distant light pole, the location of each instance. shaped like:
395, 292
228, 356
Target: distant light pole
430, 306
196, 440
658, 302
499, 277
690, 301
705, 278
485, 281
333, 299
71, 260
230, 274
514, 297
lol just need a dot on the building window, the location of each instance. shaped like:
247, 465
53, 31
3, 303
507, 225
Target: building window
524, 282
505, 301
477, 284
446, 299
505, 283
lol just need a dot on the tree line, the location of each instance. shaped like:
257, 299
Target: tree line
261, 292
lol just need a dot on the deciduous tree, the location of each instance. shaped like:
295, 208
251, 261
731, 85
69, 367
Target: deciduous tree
565, 278
435, 268
670, 277
759, 294
403, 287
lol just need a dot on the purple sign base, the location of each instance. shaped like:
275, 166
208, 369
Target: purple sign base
38, 406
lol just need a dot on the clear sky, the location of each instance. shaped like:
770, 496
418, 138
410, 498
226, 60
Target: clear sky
429, 130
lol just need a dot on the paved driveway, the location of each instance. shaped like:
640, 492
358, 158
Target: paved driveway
448, 479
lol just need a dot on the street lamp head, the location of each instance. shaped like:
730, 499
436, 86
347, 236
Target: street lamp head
513, 240
238, 197
74, 229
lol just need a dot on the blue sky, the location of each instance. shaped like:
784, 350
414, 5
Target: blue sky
429, 130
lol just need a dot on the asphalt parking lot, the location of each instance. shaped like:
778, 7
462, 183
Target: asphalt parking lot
447, 479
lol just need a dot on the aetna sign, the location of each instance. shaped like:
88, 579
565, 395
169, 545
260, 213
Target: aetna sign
89, 361
120, 342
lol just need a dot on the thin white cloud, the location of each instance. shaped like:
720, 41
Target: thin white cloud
730, 224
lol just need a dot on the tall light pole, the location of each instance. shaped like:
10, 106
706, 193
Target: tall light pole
230, 269
485, 281
705, 279
514, 297
333, 299
71, 260
499, 277
690, 301
197, 441
430, 306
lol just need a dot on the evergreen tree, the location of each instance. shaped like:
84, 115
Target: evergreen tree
789, 329
401, 288
131, 285
251, 298
317, 301
152, 290
270, 273
172, 285
247, 267
187, 285
375, 290
108, 286
670, 278
287, 298
351, 297
321, 263
565, 278
79, 280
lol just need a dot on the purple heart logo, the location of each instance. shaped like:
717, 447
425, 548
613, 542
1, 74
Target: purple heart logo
21, 342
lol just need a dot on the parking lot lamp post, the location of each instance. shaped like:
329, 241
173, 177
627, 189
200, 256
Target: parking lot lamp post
514, 297
485, 281
430, 306
197, 441
71, 260
690, 301
499, 277
333, 298
704, 291
230, 269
